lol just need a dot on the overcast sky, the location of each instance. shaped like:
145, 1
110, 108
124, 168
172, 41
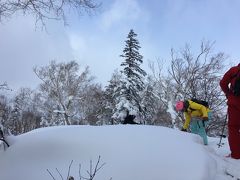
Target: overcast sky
97, 41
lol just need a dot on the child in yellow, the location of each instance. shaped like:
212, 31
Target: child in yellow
196, 116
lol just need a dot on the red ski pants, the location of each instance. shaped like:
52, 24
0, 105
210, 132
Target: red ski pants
234, 131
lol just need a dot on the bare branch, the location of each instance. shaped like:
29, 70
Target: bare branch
46, 9
92, 172
198, 76
51, 174
69, 168
59, 174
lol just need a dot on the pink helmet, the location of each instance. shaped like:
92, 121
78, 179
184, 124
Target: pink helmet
179, 106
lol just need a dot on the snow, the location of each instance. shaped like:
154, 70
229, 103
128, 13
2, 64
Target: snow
57, 111
131, 152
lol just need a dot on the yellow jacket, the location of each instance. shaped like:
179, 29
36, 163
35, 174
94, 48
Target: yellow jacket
194, 110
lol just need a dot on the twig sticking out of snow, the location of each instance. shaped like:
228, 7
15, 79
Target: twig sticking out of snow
91, 172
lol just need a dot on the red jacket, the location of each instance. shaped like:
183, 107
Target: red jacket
227, 79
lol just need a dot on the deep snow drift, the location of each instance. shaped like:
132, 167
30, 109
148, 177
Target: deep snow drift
131, 152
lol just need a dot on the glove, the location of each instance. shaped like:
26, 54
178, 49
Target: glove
205, 118
183, 130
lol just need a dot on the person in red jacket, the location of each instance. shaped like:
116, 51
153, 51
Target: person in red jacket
233, 103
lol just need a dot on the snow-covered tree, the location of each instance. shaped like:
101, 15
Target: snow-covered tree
132, 84
4, 86
155, 103
14, 122
112, 92
62, 88
91, 106
160, 101
150, 101
5, 110
25, 115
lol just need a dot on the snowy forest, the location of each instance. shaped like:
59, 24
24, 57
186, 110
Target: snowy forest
68, 94
107, 76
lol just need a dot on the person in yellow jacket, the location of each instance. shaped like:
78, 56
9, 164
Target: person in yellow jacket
196, 116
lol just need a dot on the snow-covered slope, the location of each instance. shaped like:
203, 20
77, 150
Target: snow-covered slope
131, 152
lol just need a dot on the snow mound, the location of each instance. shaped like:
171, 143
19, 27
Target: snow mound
131, 152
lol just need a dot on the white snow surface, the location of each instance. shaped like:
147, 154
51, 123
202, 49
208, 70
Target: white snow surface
130, 152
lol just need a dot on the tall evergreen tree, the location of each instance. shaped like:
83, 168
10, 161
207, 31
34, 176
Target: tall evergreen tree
129, 100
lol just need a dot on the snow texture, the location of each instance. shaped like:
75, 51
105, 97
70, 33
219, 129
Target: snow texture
131, 152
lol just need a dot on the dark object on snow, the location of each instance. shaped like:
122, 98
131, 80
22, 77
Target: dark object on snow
129, 119
4, 141
231, 175
222, 135
1, 134
2, 138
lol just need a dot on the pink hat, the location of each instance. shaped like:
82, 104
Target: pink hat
179, 105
